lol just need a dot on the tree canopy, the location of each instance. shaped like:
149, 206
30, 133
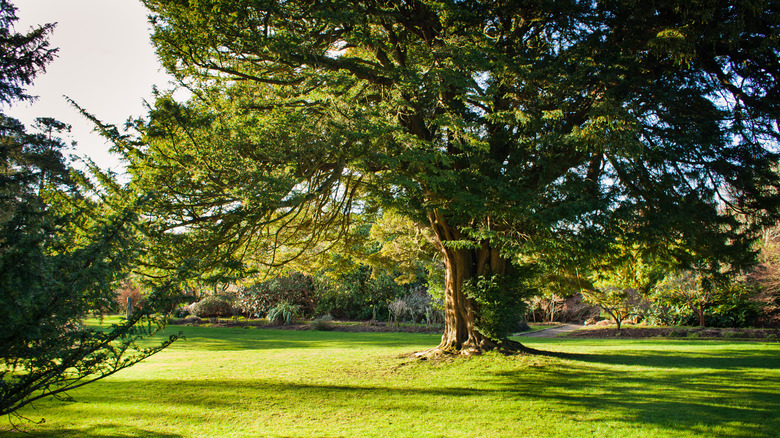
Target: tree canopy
63, 249
518, 132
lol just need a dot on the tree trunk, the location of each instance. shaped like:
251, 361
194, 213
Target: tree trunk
701, 315
460, 333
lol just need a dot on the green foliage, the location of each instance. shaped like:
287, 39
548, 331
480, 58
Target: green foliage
683, 299
25, 55
296, 288
619, 303
284, 312
534, 130
403, 247
322, 323
357, 294
64, 248
686, 288
500, 302
736, 311
212, 306
621, 280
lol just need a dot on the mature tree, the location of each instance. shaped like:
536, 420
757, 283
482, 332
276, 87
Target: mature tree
515, 131
62, 251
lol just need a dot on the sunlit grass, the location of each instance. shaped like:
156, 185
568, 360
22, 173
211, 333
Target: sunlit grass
242, 382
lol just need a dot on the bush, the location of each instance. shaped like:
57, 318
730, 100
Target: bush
665, 314
214, 306
732, 305
322, 323
418, 306
500, 302
397, 310
357, 295
296, 288
284, 312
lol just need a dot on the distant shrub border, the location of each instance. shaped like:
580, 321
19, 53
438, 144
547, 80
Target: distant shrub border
761, 334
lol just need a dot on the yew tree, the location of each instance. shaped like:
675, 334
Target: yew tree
515, 132
64, 247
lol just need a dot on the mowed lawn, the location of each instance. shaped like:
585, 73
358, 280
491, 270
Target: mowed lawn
236, 382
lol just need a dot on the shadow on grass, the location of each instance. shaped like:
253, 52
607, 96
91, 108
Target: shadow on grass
671, 389
230, 338
726, 394
91, 432
721, 359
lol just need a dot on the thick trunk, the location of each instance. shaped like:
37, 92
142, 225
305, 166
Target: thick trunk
460, 333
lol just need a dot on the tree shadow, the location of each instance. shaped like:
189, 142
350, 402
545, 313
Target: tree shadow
108, 431
655, 387
721, 359
728, 391
224, 339
671, 400
231, 338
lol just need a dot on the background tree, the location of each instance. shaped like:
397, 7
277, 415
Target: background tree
516, 132
62, 251
766, 276
689, 288
621, 282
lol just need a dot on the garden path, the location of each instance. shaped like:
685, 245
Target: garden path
552, 331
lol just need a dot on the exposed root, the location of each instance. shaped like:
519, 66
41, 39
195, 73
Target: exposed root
506, 347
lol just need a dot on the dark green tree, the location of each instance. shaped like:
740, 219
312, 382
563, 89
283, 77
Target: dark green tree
24, 55
62, 252
518, 132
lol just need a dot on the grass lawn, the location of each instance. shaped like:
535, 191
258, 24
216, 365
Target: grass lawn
249, 382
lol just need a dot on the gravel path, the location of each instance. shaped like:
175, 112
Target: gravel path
552, 331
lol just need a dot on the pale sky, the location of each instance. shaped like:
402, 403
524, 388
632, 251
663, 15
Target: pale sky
106, 64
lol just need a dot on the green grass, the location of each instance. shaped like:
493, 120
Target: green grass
249, 382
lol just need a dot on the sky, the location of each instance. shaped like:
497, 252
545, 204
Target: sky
106, 63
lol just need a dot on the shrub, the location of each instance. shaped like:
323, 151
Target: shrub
418, 306
214, 306
295, 288
181, 312
665, 314
322, 323
357, 294
284, 312
730, 305
398, 309
500, 303
734, 306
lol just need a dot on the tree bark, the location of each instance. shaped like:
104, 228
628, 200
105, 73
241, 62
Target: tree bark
460, 332
701, 315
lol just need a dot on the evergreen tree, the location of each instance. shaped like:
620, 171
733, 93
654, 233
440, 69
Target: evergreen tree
62, 251
516, 131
